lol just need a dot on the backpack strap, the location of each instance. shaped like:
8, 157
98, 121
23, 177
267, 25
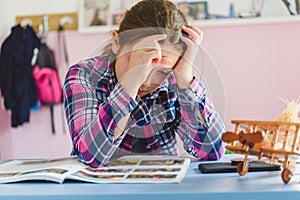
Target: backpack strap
52, 118
62, 41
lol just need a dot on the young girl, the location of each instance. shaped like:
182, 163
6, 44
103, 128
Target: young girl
140, 93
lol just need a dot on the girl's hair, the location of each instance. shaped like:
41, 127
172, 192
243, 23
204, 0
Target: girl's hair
149, 17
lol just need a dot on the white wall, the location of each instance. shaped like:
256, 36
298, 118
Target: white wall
9, 9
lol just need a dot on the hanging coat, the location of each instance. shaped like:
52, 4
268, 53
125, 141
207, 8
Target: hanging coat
16, 81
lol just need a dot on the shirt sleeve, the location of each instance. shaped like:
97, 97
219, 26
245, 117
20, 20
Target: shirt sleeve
92, 122
200, 139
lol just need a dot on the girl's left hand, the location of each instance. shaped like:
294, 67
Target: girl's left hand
184, 69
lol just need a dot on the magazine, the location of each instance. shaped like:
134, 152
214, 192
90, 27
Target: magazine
127, 169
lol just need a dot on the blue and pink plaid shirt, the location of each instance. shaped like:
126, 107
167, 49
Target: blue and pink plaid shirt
95, 102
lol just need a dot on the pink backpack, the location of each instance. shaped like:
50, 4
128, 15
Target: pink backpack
48, 85
47, 81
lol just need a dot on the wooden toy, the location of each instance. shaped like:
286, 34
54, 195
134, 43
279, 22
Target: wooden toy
270, 141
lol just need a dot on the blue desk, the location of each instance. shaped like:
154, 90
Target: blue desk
254, 186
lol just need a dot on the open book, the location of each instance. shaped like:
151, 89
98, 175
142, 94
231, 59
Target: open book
127, 169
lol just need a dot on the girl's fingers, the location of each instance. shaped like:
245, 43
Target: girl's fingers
196, 29
195, 33
187, 41
150, 49
150, 43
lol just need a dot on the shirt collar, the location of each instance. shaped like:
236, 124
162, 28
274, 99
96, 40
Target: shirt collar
162, 88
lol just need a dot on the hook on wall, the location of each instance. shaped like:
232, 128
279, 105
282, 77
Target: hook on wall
26, 22
46, 24
50, 22
65, 20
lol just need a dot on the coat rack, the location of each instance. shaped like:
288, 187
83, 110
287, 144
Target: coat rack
50, 22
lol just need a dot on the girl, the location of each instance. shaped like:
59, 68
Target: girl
140, 93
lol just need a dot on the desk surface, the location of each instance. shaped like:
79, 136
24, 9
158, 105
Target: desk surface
195, 185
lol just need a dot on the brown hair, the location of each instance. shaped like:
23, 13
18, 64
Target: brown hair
151, 17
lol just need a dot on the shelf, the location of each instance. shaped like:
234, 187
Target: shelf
247, 21
213, 23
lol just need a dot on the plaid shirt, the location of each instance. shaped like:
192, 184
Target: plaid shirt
95, 102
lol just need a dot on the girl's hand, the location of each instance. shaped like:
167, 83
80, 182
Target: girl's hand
184, 69
143, 55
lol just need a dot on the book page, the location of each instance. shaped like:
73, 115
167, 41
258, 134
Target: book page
46, 170
137, 169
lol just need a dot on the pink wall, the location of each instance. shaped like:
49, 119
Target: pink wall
258, 63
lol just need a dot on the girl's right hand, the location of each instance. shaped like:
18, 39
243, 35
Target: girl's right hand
144, 54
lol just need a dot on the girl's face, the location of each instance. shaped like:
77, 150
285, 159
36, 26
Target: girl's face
159, 73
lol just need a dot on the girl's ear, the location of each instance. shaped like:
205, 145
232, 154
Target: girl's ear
115, 46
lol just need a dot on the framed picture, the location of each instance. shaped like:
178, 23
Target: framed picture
115, 18
99, 14
196, 10
92, 14
297, 2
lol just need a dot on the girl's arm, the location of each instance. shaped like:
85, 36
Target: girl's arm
97, 121
201, 127
93, 119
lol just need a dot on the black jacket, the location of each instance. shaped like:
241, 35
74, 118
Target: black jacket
16, 81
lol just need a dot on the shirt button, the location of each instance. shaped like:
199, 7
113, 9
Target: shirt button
148, 147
